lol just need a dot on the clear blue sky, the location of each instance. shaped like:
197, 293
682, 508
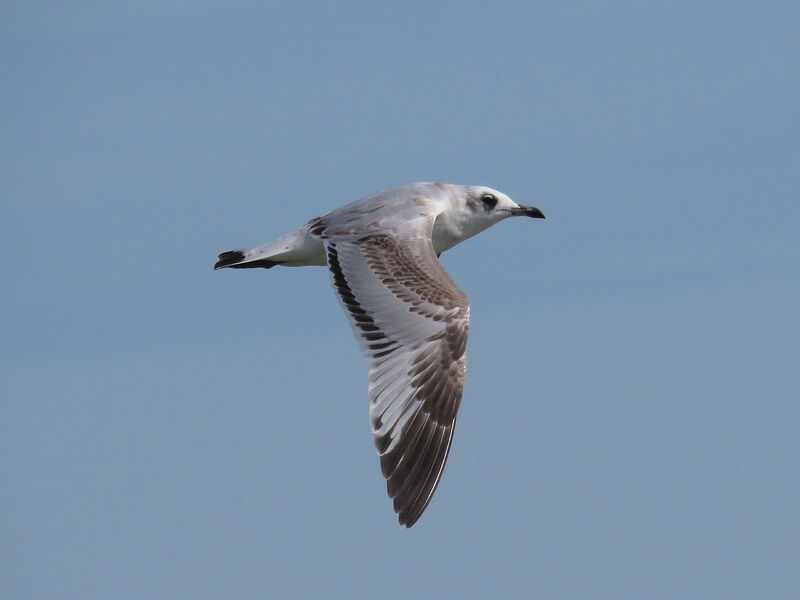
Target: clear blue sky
631, 418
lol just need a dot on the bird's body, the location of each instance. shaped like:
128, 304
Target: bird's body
409, 317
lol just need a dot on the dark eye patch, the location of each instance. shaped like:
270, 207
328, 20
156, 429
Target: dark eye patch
489, 201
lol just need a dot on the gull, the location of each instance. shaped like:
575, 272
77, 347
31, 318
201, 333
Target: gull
409, 317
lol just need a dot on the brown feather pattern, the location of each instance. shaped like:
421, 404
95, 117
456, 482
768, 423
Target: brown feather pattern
414, 423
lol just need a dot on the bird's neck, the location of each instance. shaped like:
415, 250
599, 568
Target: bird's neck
453, 227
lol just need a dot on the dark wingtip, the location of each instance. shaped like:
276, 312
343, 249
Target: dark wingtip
226, 259
406, 522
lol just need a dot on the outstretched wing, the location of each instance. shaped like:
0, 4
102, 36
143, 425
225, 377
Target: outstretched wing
411, 321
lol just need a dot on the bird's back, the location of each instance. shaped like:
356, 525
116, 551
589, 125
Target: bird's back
386, 210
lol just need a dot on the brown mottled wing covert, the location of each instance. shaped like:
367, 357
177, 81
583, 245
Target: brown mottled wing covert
411, 321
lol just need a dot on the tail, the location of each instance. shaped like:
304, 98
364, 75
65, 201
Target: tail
238, 259
295, 249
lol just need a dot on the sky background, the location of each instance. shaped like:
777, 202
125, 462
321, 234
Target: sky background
631, 416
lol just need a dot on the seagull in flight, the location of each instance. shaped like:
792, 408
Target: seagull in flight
409, 317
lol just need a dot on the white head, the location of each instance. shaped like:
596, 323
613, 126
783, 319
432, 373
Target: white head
486, 204
472, 209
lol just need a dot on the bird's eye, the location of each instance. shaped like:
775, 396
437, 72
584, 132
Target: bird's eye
489, 201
